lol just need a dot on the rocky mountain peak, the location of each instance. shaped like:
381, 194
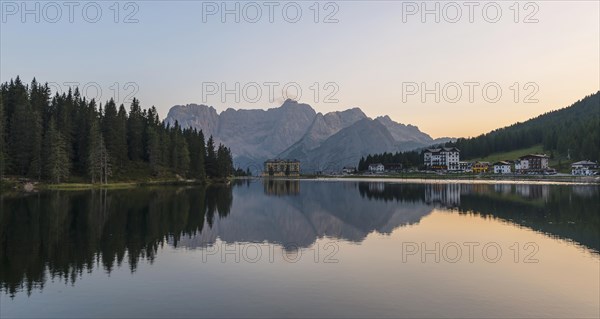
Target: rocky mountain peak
296, 130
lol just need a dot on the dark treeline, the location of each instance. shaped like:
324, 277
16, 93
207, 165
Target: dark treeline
407, 159
68, 138
61, 235
573, 130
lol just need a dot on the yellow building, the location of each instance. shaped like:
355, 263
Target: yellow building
281, 168
481, 167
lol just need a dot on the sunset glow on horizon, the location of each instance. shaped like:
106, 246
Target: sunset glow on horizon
542, 56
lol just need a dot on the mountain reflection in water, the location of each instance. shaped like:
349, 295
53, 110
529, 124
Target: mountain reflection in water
61, 235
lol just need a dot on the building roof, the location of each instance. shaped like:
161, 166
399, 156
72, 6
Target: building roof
585, 163
279, 160
534, 155
393, 165
446, 149
502, 163
375, 164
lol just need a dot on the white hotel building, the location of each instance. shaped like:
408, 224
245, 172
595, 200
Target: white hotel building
445, 158
502, 168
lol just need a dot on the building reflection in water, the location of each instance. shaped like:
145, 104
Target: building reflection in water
584, 191
503, 188
449, 195
446, 194
533, 191
281, 187
376, 186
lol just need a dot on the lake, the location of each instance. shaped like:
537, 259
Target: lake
309, 248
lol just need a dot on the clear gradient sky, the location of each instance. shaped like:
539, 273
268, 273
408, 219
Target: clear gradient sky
176, 51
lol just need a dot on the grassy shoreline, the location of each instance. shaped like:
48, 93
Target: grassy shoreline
8, 185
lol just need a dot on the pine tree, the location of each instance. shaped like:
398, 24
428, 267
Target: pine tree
94, 161
154, 150
20, 142
119, 151
105, 165
165, 146
39, 96
180, 154
135, 131
65, 109
152, 123
35, 167
2, 138
98, 162
211, 158
57, 160
184, 156
224, 162
197, 150
116, 140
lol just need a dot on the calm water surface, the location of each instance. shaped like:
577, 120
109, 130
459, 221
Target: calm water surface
303, 249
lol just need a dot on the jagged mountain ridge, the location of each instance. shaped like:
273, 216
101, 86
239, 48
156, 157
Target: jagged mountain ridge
295, 130
323, 127
345, 148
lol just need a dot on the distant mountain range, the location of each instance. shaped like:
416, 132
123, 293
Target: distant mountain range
322, 142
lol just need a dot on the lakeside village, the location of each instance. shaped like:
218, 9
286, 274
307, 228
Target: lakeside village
446, 160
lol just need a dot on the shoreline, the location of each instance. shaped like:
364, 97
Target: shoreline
11, 185
487, 179
462, 181
26, 186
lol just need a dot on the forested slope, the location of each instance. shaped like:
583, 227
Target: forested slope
573, 130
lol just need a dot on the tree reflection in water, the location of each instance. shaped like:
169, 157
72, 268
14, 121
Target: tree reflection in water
61, 235
564, 211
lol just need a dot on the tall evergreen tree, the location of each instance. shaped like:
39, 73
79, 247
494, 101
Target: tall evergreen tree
65, 109
154, 150
211, 158
2, 137
135, 131
180, 154
116, 140
152, 123
152, 143
35, 167
118, 137
224, 167
98, 163
57, 160
197, 149
105, 161
20, 137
